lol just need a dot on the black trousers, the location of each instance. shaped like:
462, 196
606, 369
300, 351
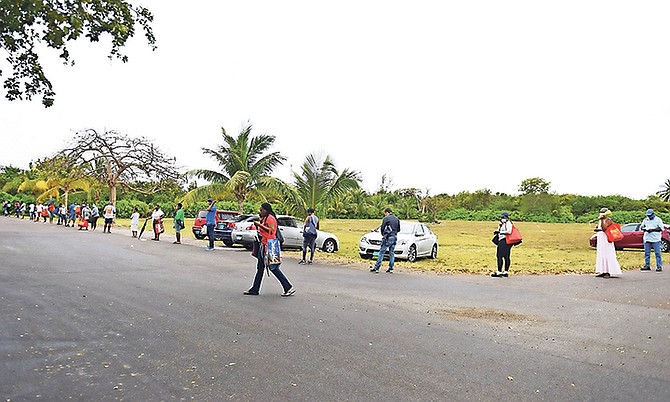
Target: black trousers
503, 253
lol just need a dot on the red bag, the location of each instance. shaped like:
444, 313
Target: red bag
613, 233
513, 238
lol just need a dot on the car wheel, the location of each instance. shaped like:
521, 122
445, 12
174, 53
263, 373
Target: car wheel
433, 253
228, 243
411, 254
199, 237
665, 245
366, 256
329, 246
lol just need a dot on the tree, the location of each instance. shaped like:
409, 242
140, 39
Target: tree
535, 185
119, 161
319, 183
58, 174
245, 166
664, 193
25, 24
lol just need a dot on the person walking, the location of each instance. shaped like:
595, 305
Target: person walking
178, 223
389, 229
23, 210
211, 223
95, 214
134, 222
652, 226
108, 213
31, 211
268, 253
503, 249
157, 218
607, 265
309, 234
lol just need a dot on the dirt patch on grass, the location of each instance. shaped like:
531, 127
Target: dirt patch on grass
486, 314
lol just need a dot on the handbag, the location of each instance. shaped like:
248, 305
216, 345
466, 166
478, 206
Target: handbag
495, 239
613, 233
514, 238
273, 253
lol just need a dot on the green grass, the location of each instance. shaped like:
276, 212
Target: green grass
466, 247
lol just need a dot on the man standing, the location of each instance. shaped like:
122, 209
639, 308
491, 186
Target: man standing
109, 212
211, 223
389, 230
652, 226
178, 223
309, 234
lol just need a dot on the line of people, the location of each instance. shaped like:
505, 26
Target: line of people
80, 216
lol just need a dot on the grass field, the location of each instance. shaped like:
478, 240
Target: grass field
466, 247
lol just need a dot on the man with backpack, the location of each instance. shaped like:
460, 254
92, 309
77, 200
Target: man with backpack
309, 234
389, 230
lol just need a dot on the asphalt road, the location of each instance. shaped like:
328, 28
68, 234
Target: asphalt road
91, 316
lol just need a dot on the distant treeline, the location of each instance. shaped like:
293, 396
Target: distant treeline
481, 205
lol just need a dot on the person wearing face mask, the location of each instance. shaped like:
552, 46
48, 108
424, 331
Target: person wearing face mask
503, 250
607, 265
652, 226
157, 217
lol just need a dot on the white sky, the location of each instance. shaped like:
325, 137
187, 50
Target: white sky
444, 95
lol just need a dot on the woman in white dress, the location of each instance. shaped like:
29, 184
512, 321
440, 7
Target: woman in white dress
607, 265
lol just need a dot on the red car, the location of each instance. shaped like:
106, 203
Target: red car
199, 228
632, 238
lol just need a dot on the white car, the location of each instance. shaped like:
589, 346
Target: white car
291, 230
414, 240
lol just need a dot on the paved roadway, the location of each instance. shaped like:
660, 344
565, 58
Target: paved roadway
90, 316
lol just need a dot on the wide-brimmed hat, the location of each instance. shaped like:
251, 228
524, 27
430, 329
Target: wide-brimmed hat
504, 215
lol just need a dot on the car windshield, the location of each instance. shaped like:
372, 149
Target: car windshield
202, 214
243, 217
407, 228
227, 215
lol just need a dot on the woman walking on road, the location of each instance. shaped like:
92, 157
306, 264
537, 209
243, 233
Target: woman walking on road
268, 252
607, 265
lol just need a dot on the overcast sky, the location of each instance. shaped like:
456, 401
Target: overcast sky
447, 96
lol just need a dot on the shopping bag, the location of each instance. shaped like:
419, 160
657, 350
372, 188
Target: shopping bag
513, 238
273, 253
613, 233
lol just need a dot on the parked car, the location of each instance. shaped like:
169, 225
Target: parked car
224, 229
414, 240
632, 238
291, 230
199, 228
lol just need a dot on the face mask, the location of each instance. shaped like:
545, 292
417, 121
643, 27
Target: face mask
503, 220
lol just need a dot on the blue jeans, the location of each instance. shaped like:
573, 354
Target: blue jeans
657, 251
388, 243
210, 234
274, 268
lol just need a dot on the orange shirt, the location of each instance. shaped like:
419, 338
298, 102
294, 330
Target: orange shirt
266, 235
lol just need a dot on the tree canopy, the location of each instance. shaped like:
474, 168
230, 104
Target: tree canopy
119, 160
25, 24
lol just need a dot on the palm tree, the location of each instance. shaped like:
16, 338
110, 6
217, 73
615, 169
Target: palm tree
55, 176
664, 193
319, 183
245, 167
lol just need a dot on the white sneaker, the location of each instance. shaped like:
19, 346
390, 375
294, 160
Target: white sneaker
289, 292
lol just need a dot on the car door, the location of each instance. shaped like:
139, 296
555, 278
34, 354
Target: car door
289, 229
422, 240
632, 236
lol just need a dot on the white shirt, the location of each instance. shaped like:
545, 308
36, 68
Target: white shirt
157, 214
135, 218
109, 211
